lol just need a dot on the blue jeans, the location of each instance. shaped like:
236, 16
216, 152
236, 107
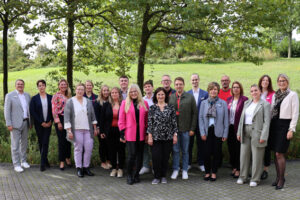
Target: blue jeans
183, 140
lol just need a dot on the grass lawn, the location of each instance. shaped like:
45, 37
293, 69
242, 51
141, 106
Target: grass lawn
246, 73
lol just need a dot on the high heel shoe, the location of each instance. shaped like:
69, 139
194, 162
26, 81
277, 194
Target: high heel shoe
275, 182
62, 167
206, 178
279, 187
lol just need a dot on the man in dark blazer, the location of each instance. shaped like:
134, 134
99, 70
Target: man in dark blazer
43, 118
199, 96
17, 117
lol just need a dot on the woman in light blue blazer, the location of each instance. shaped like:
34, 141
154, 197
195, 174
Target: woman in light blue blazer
213, 124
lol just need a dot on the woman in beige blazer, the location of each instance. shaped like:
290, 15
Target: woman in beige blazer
285, 113
253, 133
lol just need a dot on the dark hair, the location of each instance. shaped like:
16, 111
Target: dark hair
149, 82
270, 87
157, 91
241, 88
212, 85
179, 79
20, 80
41, 81
124, 76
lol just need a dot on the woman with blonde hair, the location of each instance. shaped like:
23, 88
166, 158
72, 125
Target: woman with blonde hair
133, 116
59, 101
103, 148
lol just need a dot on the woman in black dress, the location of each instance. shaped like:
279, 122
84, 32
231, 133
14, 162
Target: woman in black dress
285, 112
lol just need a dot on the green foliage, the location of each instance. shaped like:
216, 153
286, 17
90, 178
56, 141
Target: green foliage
282, 48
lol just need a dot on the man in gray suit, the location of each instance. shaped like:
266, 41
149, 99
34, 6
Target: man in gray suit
17, 117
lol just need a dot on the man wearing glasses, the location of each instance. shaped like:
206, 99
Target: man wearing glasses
166, 83
225, 90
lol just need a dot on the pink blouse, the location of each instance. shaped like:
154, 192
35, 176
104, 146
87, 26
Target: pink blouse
58, 104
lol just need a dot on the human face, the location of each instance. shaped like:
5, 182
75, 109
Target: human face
88, 87
79, 91
236, 90
19, 86
115, 95
133, 93
195, 81
255, 93
123, 83
166, 82
265, 83
282, 84
41, 87
179, 86
225, 81
63, 86
213, 93
160, 96
105, 92
148, 89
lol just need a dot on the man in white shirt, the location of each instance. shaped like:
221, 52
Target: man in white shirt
17, 117
148, 88
199, 95
124, 81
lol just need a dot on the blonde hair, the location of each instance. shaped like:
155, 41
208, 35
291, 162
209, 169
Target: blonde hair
120, 96
100, 98
140, 99
68, 93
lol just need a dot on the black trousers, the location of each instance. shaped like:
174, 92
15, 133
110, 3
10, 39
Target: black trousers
116, 148
213, 152
161, 150
43, 135
267, 157
64, 146
103, 149
200, 148
135, 151
234, 148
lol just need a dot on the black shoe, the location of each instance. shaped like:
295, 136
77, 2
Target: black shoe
62, 168
70, 165
87, 171
264, 175
212, 179
137, 179
275, 182
206, 178
42, 168
130, 180
279, 187
47, 164
80, 172
234, 176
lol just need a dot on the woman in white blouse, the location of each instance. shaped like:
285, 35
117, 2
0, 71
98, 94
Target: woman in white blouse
253, 132
80, 123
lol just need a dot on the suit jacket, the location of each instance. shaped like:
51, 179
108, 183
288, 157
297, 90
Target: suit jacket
238, 111
260, 123
201, 97
13, 110
127, 121
221, 121
106, 118
98, 109
36, 109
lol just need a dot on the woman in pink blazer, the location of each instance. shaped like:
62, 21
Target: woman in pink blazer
133, 117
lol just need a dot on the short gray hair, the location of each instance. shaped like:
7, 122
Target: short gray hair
285, 77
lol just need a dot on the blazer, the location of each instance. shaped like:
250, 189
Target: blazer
201, 97
289, 109
260, 123
36, 109
13, 110
127, 121
98, 110
221, 121
106, 118
238, 111
69, 116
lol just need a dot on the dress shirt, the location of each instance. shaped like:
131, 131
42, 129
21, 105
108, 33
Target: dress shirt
23, 103
149, 100
80, 113
44, 107
232, 111
196, 95
249, 113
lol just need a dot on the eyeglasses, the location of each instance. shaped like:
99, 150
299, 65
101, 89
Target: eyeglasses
281, 81
224, 80
131, 92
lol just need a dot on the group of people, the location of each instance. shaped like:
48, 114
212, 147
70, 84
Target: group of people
164, 121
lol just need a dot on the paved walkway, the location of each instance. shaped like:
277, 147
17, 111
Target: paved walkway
56, 184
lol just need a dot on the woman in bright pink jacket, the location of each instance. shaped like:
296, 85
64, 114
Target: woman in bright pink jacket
133, 117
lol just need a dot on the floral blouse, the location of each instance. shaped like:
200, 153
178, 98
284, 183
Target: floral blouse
58, 104
162, 124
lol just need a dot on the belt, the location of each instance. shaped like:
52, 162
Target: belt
25, 119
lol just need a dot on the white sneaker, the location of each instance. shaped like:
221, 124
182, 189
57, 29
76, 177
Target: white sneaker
253, 184
240, 181
202, 168
189, 167
120, 173
18, 169
25, 165
185, 175
144, 170
174, 174
113, 172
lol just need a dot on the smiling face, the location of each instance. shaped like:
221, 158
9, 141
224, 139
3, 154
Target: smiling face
123, 83
88, 87
236, 90
115, 95
255, 92
213, 93
133, 93
63, 86
148, 89
195, 81
282, 84
41, 87
160, 96
265, 83
19, 86
79, 91
166, 82
179, 86
225, 81
105, 92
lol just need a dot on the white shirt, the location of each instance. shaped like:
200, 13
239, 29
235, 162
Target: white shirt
249, 113
24, 104
44, 107
264, 95
232, 111
149, 101
196, 95
81, 117
211, 121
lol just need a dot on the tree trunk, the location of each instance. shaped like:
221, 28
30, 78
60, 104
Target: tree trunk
70, 53
290, 35
5, 64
